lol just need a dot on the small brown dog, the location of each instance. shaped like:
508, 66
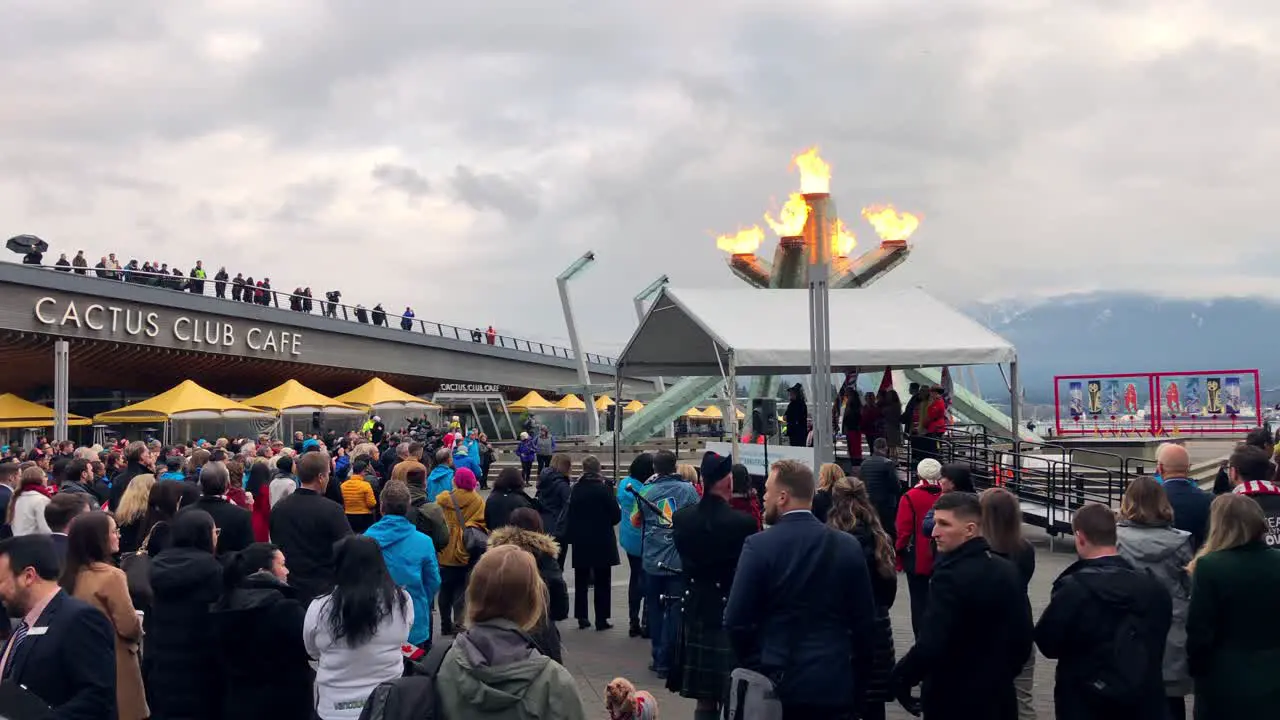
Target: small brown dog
624, 702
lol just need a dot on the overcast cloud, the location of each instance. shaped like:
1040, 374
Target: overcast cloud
456, 156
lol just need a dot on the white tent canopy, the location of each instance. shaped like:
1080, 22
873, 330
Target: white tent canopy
695, 332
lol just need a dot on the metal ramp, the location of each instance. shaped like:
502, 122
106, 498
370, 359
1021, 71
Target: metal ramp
1047, 479
653, 418
970, 406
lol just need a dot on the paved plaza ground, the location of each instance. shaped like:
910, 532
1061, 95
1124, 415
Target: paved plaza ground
595, 658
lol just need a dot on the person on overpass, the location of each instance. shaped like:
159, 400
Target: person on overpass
406, 320
198, 276
379, 315
220, 283
491, 335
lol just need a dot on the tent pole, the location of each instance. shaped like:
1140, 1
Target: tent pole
617, 420
1015, 412
733, 405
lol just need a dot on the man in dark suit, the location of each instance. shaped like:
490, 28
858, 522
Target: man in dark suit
1190, 503
977, 606
58, 514
801, 610
306, 525
235, 524
63, 652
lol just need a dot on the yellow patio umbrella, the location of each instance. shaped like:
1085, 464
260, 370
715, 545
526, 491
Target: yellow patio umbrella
295, 398
377, 394
604, 402
531, 401
18, 413
571, 402
712, 413
633, 406
186, 401
694, 413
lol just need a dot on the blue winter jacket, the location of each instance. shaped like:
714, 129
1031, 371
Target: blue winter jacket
526, 451
440, 480
411, 560
668, 494
172, 476
342, 467
629, 536
473, 450
466, 461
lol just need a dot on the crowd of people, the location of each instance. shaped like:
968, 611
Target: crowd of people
250, 578
242, 288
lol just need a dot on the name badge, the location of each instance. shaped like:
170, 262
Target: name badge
37, 631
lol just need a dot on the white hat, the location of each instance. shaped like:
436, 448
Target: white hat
524, 436
929, 470
377, 419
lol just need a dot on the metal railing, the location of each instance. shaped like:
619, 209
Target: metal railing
333, 310
1059, 484
1046, 474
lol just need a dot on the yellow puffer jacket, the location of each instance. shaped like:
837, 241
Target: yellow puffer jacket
472, 505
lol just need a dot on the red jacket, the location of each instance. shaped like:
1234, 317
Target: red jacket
935, 418
750, 506
912, 508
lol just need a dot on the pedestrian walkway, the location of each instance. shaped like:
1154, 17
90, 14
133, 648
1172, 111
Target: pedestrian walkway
595, 658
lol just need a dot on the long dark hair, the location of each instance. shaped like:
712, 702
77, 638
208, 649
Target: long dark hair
259, 479
162, 505
364, 594
850, 508
87, 543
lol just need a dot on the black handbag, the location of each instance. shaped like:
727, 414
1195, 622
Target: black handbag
137, 572
474, 540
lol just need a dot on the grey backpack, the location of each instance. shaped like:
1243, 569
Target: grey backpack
751, 697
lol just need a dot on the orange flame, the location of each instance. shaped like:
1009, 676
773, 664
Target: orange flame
842, 241
815, 173
744, 242
891, 225
791, 217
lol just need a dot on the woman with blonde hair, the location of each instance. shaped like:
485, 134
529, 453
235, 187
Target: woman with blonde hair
1146, 537
1231, 645
828, 474
690, 475
852, 512
1002, 529
493, 670
132, 510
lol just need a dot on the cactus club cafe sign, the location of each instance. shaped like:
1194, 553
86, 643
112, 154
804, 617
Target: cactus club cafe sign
116, 322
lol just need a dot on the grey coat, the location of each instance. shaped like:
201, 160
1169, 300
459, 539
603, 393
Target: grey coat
1163, 552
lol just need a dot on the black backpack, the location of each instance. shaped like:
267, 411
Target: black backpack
412, 697
1117, 671
439, 533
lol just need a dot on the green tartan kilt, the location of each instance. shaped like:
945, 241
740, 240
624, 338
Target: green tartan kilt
702, 656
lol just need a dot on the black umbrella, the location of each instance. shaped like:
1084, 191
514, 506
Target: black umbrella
23, 244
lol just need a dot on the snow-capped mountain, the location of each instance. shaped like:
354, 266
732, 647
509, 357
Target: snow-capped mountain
1120, 333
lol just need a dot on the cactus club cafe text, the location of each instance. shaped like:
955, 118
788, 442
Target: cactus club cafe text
115, 322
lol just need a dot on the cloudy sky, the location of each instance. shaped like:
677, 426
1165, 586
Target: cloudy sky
456, 156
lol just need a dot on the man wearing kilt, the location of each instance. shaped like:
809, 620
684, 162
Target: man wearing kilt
709, 537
